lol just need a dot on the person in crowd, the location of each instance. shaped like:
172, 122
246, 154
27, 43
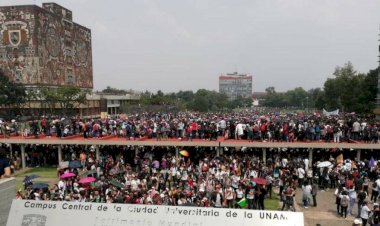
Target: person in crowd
5, 164
344, 202
364, 213
314, 192
306, 194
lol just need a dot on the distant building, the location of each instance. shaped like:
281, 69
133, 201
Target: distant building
111, 103
236, 85
43, 46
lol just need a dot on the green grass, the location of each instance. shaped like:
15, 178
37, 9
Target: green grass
272, 203
43, 172
46, 175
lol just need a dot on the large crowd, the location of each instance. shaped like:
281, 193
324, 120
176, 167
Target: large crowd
236, 179
248, 125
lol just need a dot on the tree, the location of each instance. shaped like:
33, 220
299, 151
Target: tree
295, 98
68, 96
316, 98
12, 95
349, 90
65, 97
273, 99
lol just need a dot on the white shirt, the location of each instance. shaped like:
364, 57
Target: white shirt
377, 185
307, 189
306, 162
239, 193
352, 193
301, 173
364, 212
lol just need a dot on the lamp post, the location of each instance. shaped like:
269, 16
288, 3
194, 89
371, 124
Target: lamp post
307, 104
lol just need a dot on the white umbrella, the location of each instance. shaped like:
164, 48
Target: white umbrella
324, 164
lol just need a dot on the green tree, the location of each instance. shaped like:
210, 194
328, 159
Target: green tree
316, 98
69, 96
66, 97
295, 98
12, 95
349, 90
272, 98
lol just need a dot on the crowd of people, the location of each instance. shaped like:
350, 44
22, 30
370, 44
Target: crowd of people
156, 177
235, 179
248, 125
239, 178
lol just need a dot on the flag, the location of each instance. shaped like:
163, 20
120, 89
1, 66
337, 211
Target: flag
243, 203
372, 162
339, 159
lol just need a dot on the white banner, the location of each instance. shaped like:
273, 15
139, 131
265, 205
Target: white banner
44, 213
330, 113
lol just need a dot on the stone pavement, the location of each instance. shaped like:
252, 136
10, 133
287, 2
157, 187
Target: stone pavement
325, 213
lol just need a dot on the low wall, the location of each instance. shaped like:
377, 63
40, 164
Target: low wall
7, 194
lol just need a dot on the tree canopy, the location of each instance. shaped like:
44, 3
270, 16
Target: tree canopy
12, 95
347, 90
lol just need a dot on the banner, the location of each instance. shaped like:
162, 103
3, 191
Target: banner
47, 213
330, 113
103, 115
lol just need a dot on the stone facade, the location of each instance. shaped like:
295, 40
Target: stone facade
43, 46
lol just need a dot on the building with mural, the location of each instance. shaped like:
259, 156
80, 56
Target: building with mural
236, 85
43, 46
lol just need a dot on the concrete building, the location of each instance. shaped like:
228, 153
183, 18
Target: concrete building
43, 46
236, 85
110, 103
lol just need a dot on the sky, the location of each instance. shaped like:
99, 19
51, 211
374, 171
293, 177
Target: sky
173, 45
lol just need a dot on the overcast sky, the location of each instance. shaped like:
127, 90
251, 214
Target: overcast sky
173, 45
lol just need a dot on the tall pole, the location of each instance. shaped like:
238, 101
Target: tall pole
23, 156
310, 157
378, 87
59, 154
97, 152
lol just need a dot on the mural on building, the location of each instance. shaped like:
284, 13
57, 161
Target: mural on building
39, 47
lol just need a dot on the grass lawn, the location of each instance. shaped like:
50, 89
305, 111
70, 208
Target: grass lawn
43, 172
46, 175
272, 203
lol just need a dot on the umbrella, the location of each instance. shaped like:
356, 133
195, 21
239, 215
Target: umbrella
117, 184
67, 175
30, 178
74, 164
90, 172
184, 153
259, 180
87, 180
40, 186
372, 162
324, 164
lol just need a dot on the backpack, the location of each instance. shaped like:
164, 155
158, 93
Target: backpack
344, 201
